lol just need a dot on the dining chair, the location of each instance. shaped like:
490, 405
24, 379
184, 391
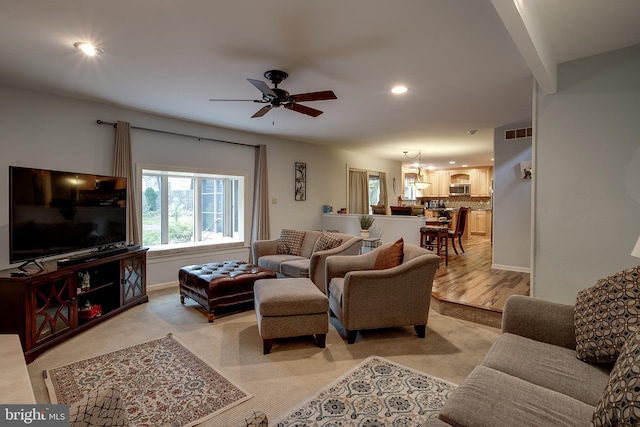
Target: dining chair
459, 231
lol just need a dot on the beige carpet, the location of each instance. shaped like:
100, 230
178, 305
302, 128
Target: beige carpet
294, 370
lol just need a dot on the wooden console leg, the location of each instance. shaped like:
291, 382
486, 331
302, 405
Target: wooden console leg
266, 346
321, 340
182, 299
210, 315
421, 330
351, 336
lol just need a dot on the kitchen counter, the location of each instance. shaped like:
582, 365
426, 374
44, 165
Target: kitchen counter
388, 228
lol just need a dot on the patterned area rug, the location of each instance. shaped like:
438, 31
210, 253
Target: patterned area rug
376, 393
162, 383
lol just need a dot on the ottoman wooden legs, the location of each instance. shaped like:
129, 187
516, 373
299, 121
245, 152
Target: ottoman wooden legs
290, 308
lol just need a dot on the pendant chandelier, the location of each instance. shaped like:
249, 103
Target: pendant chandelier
419, 183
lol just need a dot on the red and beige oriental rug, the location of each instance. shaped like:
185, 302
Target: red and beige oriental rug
161, 382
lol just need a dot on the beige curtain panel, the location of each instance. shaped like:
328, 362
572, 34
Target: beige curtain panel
358, 192
123, 167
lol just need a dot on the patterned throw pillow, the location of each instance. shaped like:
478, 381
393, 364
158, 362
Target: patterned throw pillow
605, 315
620, 403
290, 242
255, 419
391, 256
101, 407
326, 241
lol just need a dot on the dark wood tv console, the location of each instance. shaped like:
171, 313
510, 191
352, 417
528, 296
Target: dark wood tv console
48, 307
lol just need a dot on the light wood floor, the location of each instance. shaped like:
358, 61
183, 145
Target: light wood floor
469, 288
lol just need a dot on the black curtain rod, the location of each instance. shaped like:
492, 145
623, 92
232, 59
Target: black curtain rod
199, 138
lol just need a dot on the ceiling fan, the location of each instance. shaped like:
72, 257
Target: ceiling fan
275, 97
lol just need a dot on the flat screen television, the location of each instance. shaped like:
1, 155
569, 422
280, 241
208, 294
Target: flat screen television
54, 212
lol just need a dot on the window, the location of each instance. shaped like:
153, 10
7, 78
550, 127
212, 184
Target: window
374, 189
191, 208
409, 190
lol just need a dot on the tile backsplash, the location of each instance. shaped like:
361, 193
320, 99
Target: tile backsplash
460, 201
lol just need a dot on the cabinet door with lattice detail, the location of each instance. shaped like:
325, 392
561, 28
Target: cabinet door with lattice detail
52, 308
133, 279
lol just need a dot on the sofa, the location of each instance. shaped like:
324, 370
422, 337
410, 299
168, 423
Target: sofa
303, 253
558, 364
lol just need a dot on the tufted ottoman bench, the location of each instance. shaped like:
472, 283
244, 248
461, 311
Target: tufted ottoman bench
220, 284
292, 307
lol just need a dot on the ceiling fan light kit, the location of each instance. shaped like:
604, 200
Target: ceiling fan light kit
276, 97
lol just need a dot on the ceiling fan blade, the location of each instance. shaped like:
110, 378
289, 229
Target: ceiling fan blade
242, 100
303, 109
262, 87
261, 112
314, 96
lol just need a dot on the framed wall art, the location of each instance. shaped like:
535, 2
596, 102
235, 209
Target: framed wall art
301, 182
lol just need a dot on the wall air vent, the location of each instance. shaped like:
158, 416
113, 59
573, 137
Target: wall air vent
518, 133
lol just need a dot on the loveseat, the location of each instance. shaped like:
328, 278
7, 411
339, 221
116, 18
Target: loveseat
303, 253
558, 364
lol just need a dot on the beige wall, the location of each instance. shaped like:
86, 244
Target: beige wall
56, 132
586, 201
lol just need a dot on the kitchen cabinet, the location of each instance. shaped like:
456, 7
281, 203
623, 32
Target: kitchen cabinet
439, 184
457, 177
480, 222
480, 180
444, 180
432, 190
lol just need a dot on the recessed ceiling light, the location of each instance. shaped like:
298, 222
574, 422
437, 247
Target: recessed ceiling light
464, 166
399, 89
88, 48
452, 162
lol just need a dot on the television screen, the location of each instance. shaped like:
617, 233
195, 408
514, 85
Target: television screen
53, 212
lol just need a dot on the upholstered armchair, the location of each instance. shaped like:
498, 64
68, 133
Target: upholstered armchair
380, 289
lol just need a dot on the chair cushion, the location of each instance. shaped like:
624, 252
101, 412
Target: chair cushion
619, 404
606, 314
336, 289
391, 256
326, 241
290, 242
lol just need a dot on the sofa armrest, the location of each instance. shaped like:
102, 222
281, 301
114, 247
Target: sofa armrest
318, 262
540, 320
261, 248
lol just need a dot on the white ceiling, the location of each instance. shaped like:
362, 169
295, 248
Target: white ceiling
461, 66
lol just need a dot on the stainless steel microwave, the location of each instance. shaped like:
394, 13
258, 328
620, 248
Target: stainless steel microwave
459, 190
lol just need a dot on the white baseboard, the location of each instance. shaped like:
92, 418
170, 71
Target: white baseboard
511, 268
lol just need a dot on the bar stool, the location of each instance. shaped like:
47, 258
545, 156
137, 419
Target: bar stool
435, 238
